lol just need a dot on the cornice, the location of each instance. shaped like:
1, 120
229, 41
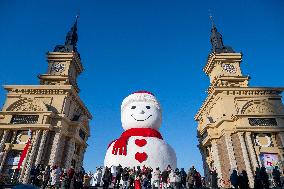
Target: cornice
48, 90
240, 91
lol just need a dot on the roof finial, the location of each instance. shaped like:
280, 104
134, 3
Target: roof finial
216, 39
70, 41
211, 18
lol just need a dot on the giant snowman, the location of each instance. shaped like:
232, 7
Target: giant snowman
141, 143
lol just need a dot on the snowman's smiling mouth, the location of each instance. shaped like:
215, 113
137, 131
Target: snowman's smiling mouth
140, 119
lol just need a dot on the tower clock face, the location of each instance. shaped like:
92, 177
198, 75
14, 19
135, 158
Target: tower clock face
229, 68
58, 67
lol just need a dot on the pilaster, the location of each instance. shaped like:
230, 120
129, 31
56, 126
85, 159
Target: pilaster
70, 153
41, 147
30, 161
251, 150
54, 149
216, 158
246, 159
4, 138
230, 149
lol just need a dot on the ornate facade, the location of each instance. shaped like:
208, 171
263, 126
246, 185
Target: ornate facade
239, 127
54, 112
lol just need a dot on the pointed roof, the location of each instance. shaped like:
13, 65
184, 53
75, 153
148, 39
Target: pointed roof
217, 41
70, 41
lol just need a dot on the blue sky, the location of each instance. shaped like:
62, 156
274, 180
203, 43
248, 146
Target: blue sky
125, 46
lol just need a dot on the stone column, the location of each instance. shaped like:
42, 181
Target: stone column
2, 145
55, 150
4, 156
251, 151
281, 136
215, 156
41, 147
246, 159
205, 165
4, 138
30, 161
70, 153
230, 149
81, 158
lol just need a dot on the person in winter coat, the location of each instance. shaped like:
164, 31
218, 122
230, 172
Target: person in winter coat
264, 177
119, 171
165, 177
172, 177
177, 179
243, 180
137, 183
70, 174
98, 177
146, 183
107, 178
234, 179
183, 178
125, 178
156, 178
197, 180
276, 177
55, 177
131, 179
190, 179
257, 179
46, 176
86, 181
64, 180
213, 179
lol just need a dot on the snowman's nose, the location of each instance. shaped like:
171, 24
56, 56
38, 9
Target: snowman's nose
142, 112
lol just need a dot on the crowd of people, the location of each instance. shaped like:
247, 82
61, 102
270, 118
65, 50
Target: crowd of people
261, 179
56, 177
145, 178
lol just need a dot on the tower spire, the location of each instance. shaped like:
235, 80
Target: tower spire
217, 40
70, 41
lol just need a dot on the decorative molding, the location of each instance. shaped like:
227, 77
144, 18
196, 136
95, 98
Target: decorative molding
258, 107
27, 104
30, 91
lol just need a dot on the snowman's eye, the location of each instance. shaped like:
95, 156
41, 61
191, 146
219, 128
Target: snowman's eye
148, 107
133, 107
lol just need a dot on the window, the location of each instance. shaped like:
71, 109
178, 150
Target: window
82, 134
262, 121
24, 119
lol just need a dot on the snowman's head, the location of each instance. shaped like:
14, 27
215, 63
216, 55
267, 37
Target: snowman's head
141, 110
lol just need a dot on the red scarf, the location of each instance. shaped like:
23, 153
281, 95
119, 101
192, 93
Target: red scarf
120, 144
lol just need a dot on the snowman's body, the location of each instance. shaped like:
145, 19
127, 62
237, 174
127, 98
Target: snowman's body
155, 153
143, 112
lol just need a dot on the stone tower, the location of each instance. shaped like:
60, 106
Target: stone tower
239, 127
53, 111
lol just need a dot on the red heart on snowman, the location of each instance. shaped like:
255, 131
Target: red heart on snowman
140, 142
141, 156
